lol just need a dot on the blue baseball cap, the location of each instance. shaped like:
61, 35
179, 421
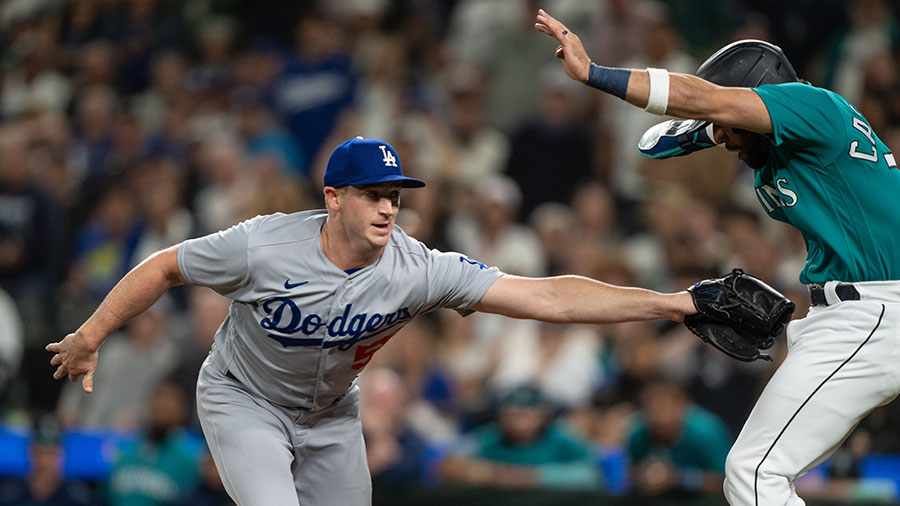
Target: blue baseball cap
361, 161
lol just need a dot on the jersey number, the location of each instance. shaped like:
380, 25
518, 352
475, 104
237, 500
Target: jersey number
866, 130
365, 352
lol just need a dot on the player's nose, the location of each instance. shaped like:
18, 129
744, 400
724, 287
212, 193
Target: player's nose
385, 206
719, 135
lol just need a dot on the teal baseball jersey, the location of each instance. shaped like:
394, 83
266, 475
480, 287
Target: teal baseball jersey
832, 178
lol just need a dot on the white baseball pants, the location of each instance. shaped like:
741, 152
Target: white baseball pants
843, 361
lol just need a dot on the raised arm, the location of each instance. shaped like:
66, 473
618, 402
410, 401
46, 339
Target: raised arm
76, 355
576, 299
689, 97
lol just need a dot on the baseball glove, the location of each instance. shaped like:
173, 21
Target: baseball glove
739, 314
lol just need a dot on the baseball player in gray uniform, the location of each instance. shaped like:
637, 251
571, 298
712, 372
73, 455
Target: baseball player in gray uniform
315, 294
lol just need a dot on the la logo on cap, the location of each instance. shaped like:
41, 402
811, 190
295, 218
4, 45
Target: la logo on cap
360, 161
389, 159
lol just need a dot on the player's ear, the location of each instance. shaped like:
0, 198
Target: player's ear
331, 198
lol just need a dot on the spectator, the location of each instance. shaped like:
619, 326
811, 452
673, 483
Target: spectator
33, 84
206, 310
159, 467
473, 148
94, 134
30, 224
45, 485
490, 232
166, 221
526, 448
263, 136
870, 35
675, 446
555, 226
134, 362
661, 47
317, 84
209, 491
616, 34
510, 51
562, 361
105, 245
11, 346
555, 139
227, 184
169, 76
395, 451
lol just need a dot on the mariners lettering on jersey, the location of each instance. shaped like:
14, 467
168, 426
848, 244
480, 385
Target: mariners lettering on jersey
389, 159
779, 195
286, 319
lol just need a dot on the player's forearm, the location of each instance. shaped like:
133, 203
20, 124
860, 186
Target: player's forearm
691, 97
132, 295
688, 96
575, 299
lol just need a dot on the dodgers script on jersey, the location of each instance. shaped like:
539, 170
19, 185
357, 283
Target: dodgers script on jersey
830, 176
300, 329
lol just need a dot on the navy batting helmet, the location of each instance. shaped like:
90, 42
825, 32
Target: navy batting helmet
748, 63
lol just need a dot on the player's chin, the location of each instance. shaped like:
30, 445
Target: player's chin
380, 235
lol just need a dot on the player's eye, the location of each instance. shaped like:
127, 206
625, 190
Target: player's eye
372, 195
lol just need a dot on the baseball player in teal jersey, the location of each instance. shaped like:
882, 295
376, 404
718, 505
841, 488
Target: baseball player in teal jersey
315, 295
821, 168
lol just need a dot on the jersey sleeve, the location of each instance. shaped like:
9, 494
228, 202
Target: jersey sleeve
457, 281
219, 260
805, 120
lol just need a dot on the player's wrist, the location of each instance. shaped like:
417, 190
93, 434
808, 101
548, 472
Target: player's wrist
611, 80
88, 339
681, 304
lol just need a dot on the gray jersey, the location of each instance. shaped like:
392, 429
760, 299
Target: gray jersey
300, 329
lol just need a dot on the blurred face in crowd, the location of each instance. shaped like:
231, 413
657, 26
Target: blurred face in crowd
365, 214
45, 459
167, 410
523, 425
14, 169
664, 406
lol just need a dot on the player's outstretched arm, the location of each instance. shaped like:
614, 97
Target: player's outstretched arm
76, 355
576, 299
686, 96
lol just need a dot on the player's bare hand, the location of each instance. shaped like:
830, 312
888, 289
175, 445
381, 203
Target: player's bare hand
570, 50
76, 358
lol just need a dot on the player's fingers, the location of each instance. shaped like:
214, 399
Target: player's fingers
54, 347
60, 372
56, 359
73, 376
88, 382
541, 27
555, 28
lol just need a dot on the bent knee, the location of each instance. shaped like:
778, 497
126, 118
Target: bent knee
740, 473
749, 481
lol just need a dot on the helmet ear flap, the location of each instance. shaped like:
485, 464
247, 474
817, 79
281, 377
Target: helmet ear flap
748, 63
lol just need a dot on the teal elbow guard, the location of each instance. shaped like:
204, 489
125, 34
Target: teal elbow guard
676, 137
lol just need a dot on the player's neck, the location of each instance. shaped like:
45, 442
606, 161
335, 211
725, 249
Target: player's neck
344, 252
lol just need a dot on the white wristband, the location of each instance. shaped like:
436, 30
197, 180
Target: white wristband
659, 91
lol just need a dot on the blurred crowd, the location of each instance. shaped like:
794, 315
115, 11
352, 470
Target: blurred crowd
127, 126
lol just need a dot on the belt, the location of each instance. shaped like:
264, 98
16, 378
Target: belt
844, 292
